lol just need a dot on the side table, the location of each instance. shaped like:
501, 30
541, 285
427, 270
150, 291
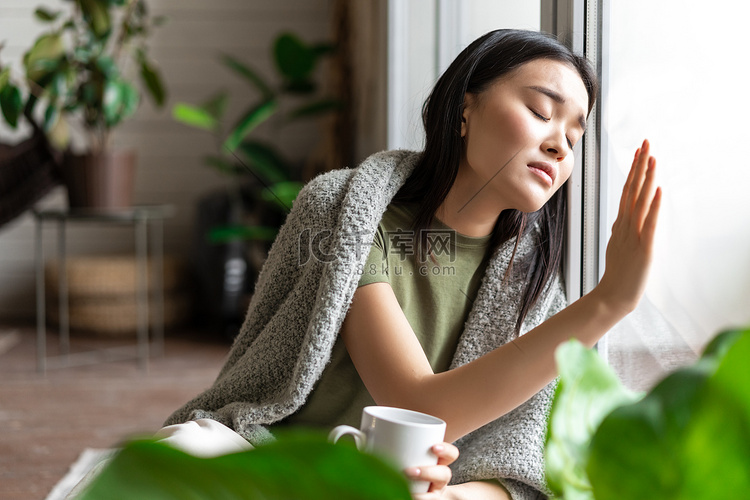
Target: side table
145, 220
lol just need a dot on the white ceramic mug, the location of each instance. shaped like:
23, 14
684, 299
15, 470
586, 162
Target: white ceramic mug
405, 437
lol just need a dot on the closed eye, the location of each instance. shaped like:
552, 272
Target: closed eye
545, 119
540, 116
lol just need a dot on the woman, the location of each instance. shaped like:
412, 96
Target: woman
346, 315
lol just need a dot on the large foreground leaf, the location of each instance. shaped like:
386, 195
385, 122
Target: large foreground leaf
300, 468
587, 391
688, 439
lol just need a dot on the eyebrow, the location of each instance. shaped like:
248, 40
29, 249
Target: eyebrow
557, 98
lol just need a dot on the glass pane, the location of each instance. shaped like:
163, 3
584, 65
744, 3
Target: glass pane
487, 15
465, 21
678, 77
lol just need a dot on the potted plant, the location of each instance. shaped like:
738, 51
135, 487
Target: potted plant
262, 181
687, 438
78, 82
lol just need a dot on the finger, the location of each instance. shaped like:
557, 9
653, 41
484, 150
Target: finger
647, 193
638, 175
649, 224
438, 475
629, 180
446, 453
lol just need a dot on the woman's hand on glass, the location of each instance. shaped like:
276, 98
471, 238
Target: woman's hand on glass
438, 475
629, 250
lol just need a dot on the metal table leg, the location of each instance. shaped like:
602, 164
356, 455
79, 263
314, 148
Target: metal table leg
141, 252
41, 330
157, 280
63, 302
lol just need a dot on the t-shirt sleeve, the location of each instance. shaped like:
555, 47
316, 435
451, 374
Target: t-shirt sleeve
375, 269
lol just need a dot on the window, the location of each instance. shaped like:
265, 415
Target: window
424, 36
677, 77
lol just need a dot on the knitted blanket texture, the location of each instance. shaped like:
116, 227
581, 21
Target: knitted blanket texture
303, 294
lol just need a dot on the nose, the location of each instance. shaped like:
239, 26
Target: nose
557, 145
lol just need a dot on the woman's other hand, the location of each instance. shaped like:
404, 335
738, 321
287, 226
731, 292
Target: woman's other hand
438, 475
629, 250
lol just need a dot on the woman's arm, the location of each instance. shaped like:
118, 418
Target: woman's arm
396, 372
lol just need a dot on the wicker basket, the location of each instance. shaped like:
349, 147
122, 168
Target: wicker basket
118, 316
109, 275
102, 294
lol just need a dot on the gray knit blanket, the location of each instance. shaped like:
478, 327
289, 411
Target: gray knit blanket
303, 294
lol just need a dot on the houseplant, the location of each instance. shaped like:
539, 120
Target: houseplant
300, 465
262, 181
688, 438
238, 154
78, 86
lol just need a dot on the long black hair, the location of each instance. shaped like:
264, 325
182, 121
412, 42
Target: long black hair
476, 68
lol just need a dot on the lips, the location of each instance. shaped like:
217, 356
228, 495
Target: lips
545, 170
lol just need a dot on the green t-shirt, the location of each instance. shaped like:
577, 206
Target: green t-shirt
436, 298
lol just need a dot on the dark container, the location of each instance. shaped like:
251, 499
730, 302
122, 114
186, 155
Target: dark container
100, 181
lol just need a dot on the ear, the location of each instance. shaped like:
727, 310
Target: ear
468, 107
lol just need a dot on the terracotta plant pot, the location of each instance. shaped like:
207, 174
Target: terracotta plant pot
100, 181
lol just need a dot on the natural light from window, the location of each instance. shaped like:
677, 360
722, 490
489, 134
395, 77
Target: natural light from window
679, 77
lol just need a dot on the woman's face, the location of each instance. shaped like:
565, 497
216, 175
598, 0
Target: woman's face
520, 132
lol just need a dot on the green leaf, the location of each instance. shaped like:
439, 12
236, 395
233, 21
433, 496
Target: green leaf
46, 15
193, 116
717, 441
153, 82
88, 94
720, 345
302, 468
323, 49
689, 438
57, 86
96, 14
113, 101
51, 115
108, 67
221, 235
302, 87
265, 161
254, 117
282, 194
293, 58
732, 374
59, 134
216, 106
132, 98
249, 74
223, 165
587, 391
44, 56
4, 77
11, 103
316, 108
120, 101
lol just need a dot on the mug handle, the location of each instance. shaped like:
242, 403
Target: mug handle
343, 430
